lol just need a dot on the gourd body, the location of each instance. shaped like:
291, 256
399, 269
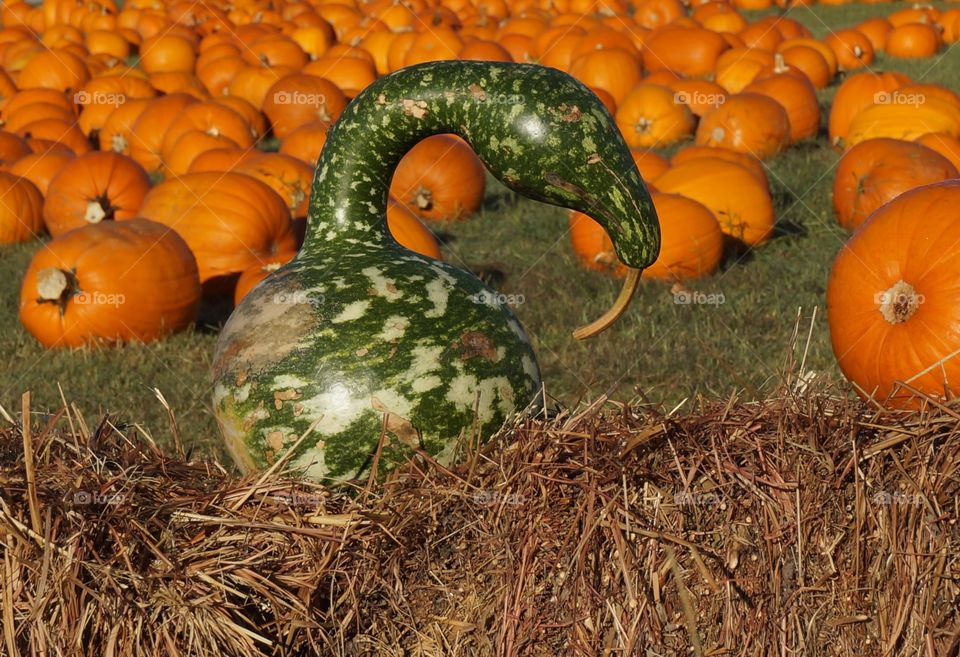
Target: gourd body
371, 349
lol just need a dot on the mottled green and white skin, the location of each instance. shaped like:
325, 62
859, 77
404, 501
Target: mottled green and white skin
359, 337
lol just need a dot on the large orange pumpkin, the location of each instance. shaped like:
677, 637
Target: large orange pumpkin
876, 171
739, 201
252, 276
306, 142
912, 41
230, 221
94, 187
852, 49
653, 115
893, 303
21, 217
748, 122
410, 232
114, 281
440, 178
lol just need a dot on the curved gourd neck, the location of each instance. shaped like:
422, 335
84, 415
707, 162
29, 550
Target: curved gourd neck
538, 130
352, 182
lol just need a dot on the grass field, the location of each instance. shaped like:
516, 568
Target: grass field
669, 351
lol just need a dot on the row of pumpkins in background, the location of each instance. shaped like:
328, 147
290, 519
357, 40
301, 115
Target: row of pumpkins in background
85, 131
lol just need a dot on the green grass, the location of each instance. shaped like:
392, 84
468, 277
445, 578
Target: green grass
666, 350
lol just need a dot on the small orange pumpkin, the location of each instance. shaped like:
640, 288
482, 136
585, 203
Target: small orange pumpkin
114, 281
746, 215
876, 171
440, 179
652, 115
748, 122
21, 217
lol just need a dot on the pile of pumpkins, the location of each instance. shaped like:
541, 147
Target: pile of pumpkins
135, 136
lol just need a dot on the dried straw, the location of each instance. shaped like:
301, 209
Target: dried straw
801, 525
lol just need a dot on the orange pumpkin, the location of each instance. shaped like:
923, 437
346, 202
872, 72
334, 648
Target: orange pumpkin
689, 51
852, 49
56, 130
875, 29
298, 99
653, 115
410, 232
148, 131
947, 145
54, 69
40, 168
12, 148
167, 53
289, 177
306, 142
117, 130
230, 221
796, 95
892, 299
809, 62
912, 41
649, 163
745, 215
210, 118
114, 281
904, 116
349, 74
615, 71
21, 217
35, 112
876, 171
747, 122
252, 276
221, 159
691, 242
440, 179
94, 187
747, 161
856, 93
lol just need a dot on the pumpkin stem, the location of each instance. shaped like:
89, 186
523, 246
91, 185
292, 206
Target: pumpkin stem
423, 199
643, 125
99, 209
119, 143
899, 303
616, 310
55, 285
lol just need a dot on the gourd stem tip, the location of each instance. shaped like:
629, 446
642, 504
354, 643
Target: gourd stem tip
616, 310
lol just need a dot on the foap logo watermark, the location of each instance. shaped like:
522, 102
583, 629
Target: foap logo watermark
93, 497
899, 98
898, 299
99, 98
298, 298
99, 299
699, 99
298, 498
299, 98
490, 497
499, 299
695, 298
887, 498
686, 498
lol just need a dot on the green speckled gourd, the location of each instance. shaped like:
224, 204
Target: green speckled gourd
358, 337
